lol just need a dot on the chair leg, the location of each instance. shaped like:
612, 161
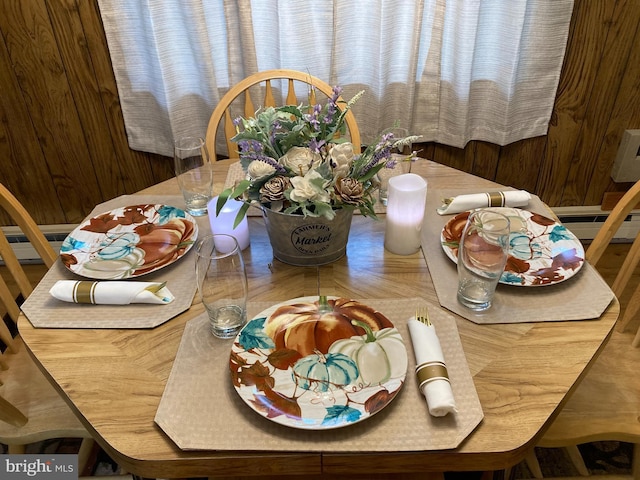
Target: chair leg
636, 339
577, 460
635, 461
532, 463
507, 473
17, 449
85, 453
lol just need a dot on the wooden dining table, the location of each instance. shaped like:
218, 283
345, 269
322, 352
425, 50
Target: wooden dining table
114, 379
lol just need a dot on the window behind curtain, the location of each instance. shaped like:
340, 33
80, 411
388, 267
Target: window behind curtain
449, 70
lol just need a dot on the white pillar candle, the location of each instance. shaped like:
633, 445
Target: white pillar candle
223, 222
405, 212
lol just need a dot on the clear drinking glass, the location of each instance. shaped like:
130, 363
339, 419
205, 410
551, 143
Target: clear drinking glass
482, 255
222, 283
194, 173
399, 163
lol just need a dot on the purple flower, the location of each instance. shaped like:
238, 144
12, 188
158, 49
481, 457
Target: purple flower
337, 91
331, 111
313, 117
274, 163
250, 146
272, 136
315, 145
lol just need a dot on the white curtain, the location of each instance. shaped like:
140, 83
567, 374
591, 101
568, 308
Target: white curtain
449, 70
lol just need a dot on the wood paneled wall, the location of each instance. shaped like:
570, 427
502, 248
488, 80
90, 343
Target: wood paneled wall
63, 147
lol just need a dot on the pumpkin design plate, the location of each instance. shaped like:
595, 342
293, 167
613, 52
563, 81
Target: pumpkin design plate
318, 363
541, 250
128, 242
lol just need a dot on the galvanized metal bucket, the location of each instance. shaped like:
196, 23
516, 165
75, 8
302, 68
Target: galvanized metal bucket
305, 241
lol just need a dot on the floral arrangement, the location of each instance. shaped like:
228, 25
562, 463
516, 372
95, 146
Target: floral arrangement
298, 161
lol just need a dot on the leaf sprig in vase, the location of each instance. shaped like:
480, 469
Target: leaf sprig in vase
297, 160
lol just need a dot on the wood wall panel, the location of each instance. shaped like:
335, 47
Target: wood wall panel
520, 162
625, 114
582, 60
22, 166
72, 44
63, 143
43, 79
618, 43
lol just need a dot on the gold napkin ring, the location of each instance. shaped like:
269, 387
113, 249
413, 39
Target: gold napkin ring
84, 292
430, 371
496, 199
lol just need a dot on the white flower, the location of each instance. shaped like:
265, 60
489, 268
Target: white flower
258, 169
342, 156
300, 160
305, 189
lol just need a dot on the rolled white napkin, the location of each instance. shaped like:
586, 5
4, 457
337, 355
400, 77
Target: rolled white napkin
462, 203
433, 379
111, 293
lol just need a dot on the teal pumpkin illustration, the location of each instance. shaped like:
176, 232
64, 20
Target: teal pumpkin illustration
322, 372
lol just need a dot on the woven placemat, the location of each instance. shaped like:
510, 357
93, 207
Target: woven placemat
199, 397
584, 296
43, 310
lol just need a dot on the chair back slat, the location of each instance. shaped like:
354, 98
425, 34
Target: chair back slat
603, 238
8, 298
269, 100
291, 94
222, 113
13, 310
612, 224
11, 415
31, 409
249, 108
12, 264
628, 267
28, 226
231, 146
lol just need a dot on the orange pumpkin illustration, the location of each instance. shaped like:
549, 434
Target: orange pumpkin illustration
163, 243
313, 327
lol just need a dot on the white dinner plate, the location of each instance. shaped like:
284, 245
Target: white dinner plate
541, 250
315, 370
129, 241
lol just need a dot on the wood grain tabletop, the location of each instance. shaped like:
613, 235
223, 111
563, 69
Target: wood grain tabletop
114, 379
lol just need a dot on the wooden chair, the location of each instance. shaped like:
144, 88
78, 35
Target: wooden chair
31, 410
606, 403
223, 109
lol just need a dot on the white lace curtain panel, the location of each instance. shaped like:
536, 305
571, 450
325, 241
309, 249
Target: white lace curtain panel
449, 70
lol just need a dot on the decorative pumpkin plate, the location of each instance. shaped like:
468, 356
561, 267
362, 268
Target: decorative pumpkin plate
318, 364
128, 242
541, 250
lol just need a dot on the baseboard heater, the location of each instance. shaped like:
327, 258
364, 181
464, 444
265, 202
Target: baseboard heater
584, 222
23, 249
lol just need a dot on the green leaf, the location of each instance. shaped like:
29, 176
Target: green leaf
222, 199
242, 187
241, 214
